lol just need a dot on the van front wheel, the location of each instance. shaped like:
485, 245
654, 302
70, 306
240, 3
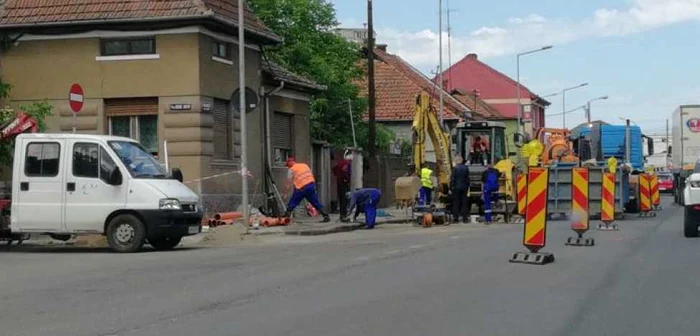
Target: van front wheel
164, 243
126, 234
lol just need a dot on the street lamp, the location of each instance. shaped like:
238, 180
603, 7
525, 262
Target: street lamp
520, 106
563, 101
588, 108
551, 95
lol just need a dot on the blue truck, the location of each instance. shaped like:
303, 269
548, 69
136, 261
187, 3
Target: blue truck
600, 142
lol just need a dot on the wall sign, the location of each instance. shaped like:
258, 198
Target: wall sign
180, 107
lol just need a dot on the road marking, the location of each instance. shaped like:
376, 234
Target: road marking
362, 259
392, 252
416, 246
454, 237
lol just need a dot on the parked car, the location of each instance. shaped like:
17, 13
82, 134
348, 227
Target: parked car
665, 182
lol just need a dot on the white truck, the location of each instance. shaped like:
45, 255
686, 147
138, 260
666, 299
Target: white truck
684, 164
73, 184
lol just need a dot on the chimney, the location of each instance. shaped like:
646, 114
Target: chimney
473, 56
381, 47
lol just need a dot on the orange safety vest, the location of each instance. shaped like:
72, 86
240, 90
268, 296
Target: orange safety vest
302, 175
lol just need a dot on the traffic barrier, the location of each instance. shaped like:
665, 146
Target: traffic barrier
579, 210
521, 185
535, 228
655, 197
607, 205
645, 196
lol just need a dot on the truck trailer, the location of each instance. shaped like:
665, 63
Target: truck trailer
685, 132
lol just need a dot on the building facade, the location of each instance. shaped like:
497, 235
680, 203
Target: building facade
161, 74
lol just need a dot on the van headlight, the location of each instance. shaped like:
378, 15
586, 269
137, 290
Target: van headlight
694, 184
170, 204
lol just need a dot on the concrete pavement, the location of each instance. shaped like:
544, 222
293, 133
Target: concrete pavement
395, 280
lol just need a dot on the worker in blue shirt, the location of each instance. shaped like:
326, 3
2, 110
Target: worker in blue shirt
364, 200
490, 190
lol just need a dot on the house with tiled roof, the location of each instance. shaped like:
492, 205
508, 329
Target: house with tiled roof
158, 71
397, 83
497, 90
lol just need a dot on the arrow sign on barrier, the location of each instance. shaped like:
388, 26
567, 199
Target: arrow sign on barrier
645, 195
607, 202
521, 185
579, 207
655, 197
535, 228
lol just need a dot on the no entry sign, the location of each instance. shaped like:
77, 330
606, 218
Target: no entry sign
75, 97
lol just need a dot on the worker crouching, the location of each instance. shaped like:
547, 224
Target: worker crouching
304, 188
364, 200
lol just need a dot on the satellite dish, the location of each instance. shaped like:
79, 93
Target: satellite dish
251, 100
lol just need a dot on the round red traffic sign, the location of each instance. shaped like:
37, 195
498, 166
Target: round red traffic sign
75, 98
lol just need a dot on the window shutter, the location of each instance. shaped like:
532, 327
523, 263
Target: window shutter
281, 133
222, 129
131, 106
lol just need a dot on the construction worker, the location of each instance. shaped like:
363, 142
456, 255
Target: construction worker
304, 188
459, 184
364, 200
342, 173
426, 179
490, 190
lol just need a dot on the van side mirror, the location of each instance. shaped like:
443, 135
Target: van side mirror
115, 177
177, 174
650, 146
670, 150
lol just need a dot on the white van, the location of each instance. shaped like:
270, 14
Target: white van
67, 184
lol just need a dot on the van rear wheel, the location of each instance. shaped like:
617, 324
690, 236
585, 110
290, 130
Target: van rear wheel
126, 234
164, 243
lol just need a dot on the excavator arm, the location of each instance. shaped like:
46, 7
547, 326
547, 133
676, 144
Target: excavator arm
426, 123
21, 124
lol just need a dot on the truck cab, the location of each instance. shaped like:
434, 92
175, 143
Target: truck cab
72, 184
691, 196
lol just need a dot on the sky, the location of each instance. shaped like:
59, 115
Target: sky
643, 54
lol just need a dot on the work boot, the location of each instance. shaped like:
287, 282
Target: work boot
326, 218
287, 214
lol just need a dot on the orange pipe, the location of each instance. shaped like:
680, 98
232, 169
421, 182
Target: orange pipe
272, 221
228, 215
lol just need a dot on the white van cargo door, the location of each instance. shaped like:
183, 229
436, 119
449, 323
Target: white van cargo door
89, 199
39, 203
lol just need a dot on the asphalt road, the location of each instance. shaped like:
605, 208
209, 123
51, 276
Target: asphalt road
395, 280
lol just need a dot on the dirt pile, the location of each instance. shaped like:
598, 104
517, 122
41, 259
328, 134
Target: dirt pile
227, 235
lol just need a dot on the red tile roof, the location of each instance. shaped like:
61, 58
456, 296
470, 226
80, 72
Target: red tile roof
29, 13
397, 84
482, 108
470, 73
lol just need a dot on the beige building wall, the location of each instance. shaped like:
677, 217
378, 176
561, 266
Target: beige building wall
184, 73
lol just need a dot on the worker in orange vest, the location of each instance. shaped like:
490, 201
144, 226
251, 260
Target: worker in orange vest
304, 188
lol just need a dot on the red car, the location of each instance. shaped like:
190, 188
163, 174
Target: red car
665, 183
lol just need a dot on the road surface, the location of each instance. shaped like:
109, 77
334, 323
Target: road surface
395, 280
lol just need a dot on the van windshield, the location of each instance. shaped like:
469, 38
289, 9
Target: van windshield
139, 163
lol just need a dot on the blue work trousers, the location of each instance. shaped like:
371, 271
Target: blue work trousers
424, 196
370, 209
307, 192
490, 195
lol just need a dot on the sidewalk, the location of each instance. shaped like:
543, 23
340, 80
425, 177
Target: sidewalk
307, 226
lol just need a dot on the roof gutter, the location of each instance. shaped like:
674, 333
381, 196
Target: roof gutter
212, 16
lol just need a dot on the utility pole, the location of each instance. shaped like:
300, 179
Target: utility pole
372, 136
243, 112
449, 47
440, 70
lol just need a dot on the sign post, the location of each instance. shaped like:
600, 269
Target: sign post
579, 206
75, 100
607, 203
535, 228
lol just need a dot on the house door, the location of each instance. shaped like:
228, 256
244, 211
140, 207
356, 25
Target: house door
39, 205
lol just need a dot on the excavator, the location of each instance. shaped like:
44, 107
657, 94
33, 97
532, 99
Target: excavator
490, 150
22, 123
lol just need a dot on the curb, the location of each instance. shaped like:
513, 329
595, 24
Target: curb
339, 228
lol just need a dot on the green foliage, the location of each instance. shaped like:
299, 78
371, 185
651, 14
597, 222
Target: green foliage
38, 110
312, 50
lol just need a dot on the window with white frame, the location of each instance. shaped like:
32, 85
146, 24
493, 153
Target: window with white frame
128, 46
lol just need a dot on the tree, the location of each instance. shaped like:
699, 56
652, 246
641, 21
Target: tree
312, 50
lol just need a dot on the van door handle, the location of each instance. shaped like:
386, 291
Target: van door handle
70, 186
24, 186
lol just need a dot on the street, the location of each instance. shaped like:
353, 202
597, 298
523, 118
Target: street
395, 280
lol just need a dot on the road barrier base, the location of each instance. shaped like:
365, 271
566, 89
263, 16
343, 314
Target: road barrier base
517, 219
647, 214
608, 227
658, 208
536, 258
580, 241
